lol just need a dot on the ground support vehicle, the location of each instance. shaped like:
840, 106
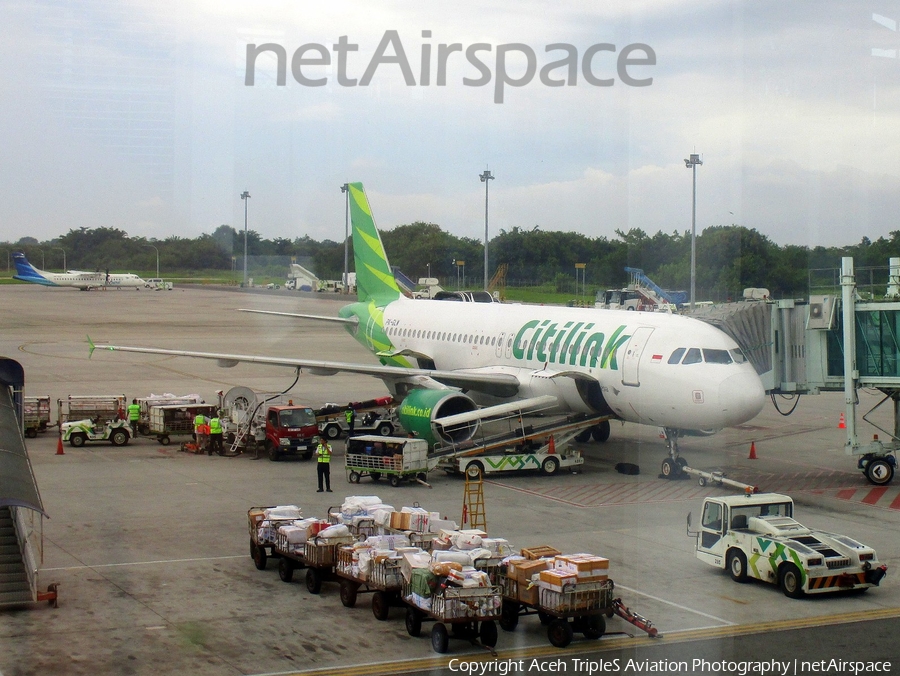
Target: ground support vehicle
99, 408
397, 458
79, 432
579, 608
470, 612
381, 422
543, 446
36, 415
269, 422
290, 430
333, 422
756, 536
170, 420
383, 580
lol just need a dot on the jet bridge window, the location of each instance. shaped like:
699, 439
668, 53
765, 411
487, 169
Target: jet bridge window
716, 356
693, 356
677, 355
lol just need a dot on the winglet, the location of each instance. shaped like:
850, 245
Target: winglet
91, 347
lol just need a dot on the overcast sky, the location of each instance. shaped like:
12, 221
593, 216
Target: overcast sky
136, 115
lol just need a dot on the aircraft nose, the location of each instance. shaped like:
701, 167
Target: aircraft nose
741, 397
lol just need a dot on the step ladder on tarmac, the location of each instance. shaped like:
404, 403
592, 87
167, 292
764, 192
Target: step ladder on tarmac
473, 515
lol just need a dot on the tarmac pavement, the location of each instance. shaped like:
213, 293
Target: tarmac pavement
151, 549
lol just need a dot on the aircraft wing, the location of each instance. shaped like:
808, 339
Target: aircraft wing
321, 318
497, 384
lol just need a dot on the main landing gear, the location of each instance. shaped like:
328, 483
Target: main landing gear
672, 466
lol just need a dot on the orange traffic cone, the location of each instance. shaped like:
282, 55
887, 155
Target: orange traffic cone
842, 423
752, 455
551, 447
59, 446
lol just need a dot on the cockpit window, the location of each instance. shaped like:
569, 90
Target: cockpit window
716, 356
693, 356
676, 355
738, 356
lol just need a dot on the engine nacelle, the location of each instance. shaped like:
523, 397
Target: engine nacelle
421, 408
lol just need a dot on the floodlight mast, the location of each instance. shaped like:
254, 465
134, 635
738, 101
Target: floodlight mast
691, 163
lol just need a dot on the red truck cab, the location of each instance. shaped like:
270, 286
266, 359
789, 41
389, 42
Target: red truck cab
289, 430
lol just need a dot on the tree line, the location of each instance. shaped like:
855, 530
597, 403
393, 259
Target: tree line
729, 257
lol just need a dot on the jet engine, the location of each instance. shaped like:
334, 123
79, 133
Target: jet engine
421, 408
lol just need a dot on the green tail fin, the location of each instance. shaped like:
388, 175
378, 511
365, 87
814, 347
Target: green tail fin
374, 278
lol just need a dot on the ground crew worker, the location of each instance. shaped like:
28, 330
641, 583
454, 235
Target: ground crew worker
134, 415
323, 466
350, 415
215, 435
199, 420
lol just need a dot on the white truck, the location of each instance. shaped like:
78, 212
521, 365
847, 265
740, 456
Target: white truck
755, 536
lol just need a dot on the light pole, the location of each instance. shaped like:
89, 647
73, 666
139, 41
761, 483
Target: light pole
59, 248
157, 258
691, 163
582, 267
485, 178
246, 197
346, 189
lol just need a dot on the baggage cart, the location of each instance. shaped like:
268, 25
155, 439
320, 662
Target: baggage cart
383, 580
170, 420
470, 613
263, 534
36, 415
99, 408
584, 603
319, 557
397, 458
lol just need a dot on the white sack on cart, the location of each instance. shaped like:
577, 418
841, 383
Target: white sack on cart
383, 516
387, 541
450, 555
371, 509
339, 530
466, 541
357, 504
296, 535
480, 553
283, 512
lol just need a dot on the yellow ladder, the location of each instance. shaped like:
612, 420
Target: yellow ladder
473, 515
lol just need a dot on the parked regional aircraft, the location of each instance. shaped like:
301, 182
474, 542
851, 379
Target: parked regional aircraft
85, 281
443, 357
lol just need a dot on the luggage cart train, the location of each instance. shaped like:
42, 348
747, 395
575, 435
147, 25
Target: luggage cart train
461, 581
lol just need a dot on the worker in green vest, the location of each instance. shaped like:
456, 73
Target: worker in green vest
323, 466
350, 415
134, 415
215, 435
199, 420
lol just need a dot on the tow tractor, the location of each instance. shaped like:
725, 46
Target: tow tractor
79, 432
754, 535
374, 416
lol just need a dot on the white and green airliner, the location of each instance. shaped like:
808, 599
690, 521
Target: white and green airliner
448, 356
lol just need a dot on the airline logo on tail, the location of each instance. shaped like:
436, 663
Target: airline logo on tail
374, 278
26, 272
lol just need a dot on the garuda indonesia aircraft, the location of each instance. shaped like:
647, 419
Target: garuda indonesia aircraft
448, 356
26, 272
